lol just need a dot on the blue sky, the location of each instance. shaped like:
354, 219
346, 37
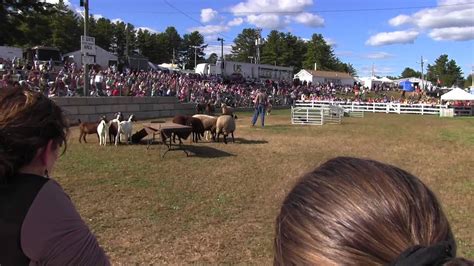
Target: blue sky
390, 35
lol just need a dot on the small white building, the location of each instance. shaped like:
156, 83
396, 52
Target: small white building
102, 58
318, 76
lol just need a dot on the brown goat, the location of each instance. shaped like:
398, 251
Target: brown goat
87, 128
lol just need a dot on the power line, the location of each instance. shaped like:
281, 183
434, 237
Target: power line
190, 17
301, 11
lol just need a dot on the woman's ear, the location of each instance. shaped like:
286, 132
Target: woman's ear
48, 154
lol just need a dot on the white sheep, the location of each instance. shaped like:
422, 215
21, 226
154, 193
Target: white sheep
225, 125
125, 128
103, 131
208, 122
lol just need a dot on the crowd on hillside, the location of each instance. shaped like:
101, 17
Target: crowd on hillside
69, 81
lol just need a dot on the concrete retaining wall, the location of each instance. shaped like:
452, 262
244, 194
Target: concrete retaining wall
91, 108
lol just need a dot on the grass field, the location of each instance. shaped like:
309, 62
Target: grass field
219, 205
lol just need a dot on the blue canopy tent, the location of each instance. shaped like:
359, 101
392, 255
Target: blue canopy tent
407, 85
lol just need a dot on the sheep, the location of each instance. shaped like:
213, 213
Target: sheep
195, 123
103, 131
87, 128
125, 128
208, 123
225, 125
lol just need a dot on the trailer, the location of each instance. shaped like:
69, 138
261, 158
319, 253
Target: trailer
250, 72
9, 53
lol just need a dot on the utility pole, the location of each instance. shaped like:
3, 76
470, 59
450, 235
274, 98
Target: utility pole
173, 56
258, 42
422, 87
422, 63
86, 67
195, 55
222, 47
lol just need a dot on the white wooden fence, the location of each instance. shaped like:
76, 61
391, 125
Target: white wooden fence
423, 109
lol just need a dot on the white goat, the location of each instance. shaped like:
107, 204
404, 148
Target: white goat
125, 128
103, 131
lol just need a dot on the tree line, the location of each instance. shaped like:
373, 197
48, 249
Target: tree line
444, 72
33, 23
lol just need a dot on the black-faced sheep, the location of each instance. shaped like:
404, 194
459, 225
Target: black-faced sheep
225, 125
195, 123
208, 122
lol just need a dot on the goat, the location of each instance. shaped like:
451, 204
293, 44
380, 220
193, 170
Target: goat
87, 128
125, 128
103, 131
113, 127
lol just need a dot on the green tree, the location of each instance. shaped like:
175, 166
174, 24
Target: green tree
189, 53
145, 44
446, 71
468, 81
272, 48
173, 44
410, 73
321, 53
65, 29
103, 31
212, 58
14, 13
244, 45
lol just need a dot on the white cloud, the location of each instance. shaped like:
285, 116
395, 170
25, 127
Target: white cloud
330, 42
399, 20
270, 6
217, 49
379, 55
394, 37
67, 2
116, 20
450, 20
310, 20
97, 16
267, 21
210, 30
277, 14
453, 34
235, 22
208, 15
151, 30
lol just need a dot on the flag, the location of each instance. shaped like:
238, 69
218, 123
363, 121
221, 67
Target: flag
438, 81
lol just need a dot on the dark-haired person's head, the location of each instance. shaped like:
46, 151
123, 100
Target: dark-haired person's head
351, 211
32, 130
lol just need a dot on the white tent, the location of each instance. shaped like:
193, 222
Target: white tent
386, 80
457, 94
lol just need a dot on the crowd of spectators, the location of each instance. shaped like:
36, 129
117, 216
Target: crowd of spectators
188, 87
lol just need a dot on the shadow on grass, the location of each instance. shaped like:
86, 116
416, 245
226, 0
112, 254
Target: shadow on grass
245, 141
205, 152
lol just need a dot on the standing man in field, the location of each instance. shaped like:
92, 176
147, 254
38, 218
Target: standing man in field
260, 101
